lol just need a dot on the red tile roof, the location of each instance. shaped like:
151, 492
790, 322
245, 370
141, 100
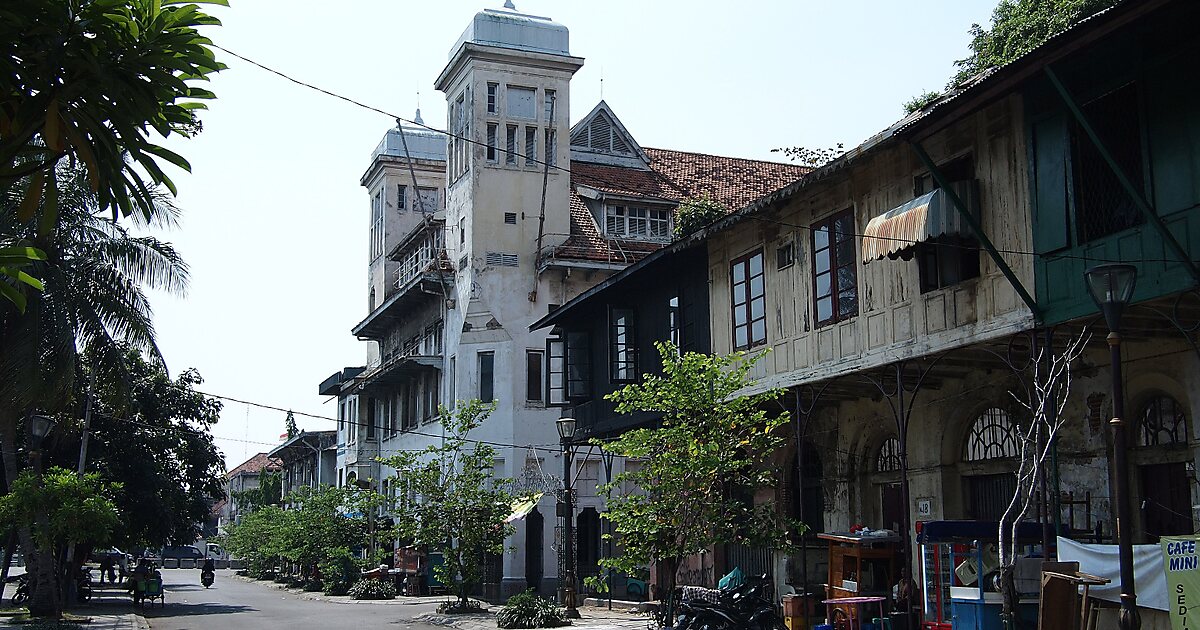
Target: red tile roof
675, 176
255, 464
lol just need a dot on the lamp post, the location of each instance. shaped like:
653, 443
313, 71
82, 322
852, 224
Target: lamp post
566, 433
1111, 287
39, 428
44, 601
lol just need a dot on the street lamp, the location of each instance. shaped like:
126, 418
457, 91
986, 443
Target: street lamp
566, 433
1111, 287
40, 427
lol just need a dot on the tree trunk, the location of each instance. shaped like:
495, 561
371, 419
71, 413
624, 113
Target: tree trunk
1008, 591
43, 600
672, 569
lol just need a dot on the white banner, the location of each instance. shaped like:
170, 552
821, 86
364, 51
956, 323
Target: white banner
1102, 560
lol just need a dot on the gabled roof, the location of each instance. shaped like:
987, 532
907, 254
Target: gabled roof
255, 465
600, 137
672, 177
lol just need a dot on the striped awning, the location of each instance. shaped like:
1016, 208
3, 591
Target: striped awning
894, 233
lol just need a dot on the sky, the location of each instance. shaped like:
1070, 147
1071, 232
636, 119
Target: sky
275, 223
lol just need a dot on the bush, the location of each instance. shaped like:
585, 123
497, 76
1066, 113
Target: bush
339, 571
372, 589
313, 586
526, 610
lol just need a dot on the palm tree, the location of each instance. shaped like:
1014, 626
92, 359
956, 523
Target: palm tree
93, 303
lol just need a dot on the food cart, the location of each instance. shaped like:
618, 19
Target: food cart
862, 571
959, 570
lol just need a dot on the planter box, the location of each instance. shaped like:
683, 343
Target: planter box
170, 563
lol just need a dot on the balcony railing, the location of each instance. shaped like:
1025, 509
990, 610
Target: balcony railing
429, 256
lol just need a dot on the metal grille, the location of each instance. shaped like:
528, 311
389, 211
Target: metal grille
889, 456
751, 560
1102, 207
1163, 422
992, 437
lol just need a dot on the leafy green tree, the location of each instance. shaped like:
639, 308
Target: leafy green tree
94, 80
152, 434
268, 492
920, 101
58, 508
319, 529
290, 423
699, 468
258, 538
459, 508
1017, 27
94, 302
693, 214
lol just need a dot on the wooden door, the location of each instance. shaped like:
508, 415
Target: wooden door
891, 501
1166, 500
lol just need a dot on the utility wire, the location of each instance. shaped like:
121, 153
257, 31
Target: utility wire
619, 186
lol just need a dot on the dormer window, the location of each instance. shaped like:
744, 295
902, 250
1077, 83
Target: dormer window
636, 222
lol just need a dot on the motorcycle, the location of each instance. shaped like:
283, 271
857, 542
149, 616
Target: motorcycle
21, 595
83, 584
745, 607
207, 577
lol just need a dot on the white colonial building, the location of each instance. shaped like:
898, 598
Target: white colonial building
481, 231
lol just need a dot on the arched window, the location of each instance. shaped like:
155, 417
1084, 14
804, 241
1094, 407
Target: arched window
993, 436
888, 459
1162, 422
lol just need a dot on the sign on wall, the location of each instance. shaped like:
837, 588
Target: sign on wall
1182, 564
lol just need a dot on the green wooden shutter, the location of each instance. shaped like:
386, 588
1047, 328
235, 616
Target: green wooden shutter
1051, 149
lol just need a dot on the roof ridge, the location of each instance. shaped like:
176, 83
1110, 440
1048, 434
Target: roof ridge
729, 157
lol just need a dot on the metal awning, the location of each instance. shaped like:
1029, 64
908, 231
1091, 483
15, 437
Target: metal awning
894, 233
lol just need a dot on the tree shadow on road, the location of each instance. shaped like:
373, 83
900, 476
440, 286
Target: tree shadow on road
188, 610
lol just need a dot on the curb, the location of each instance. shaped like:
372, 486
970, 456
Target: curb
341, 599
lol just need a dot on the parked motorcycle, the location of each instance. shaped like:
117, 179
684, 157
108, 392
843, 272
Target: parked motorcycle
207, 577
21, 595
83, 584
745, 607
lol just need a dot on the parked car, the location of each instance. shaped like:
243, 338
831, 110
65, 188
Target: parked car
184, 552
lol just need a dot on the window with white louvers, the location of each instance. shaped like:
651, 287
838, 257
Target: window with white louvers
502, 259
601, 134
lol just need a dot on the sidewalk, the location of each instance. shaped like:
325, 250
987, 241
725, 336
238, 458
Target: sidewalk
592, 617
109, 609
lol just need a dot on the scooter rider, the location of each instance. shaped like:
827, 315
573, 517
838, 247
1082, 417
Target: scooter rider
208, 572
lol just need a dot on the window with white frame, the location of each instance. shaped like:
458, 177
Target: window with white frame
637, 222
401, 197
491, 97
377, 225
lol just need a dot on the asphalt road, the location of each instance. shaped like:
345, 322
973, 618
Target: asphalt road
236, 604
